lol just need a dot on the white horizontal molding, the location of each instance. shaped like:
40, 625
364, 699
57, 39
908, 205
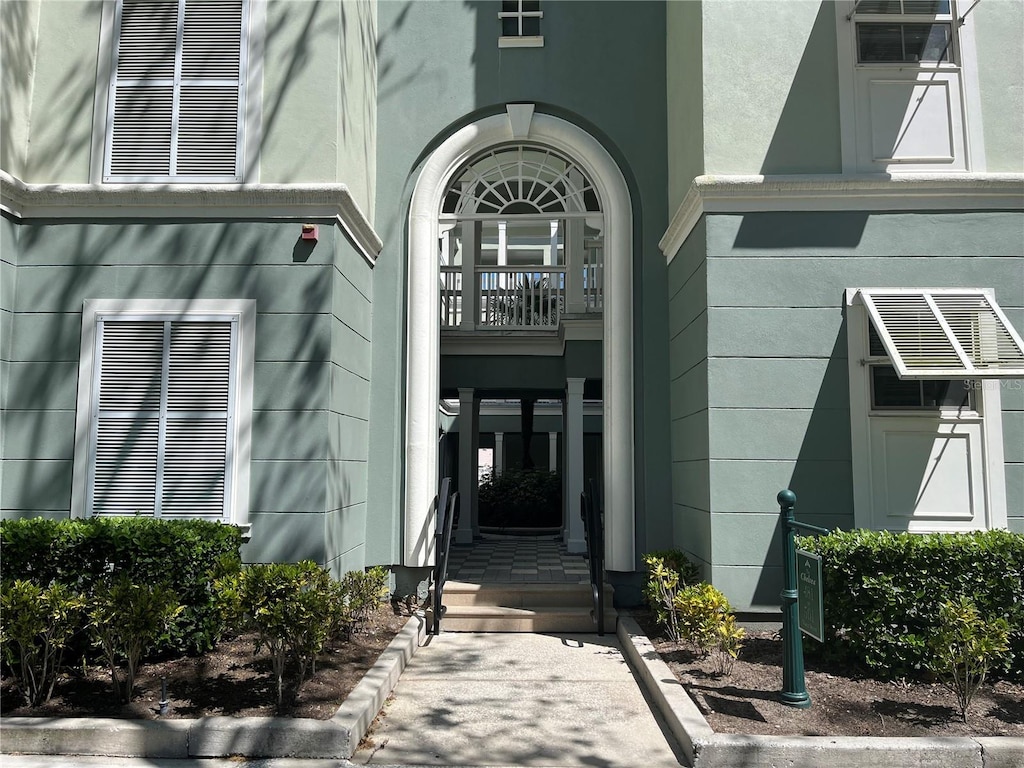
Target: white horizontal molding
868, 192
216, 202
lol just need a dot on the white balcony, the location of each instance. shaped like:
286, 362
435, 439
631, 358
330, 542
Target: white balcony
521, 298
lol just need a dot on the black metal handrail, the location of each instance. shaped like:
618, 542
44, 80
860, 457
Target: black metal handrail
593, 531
447, 504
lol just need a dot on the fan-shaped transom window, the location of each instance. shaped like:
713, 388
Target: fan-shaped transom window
520, 241
521, 179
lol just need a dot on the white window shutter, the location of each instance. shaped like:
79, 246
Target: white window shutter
198, 405
176, 92
944, 333
127, 423
163, 424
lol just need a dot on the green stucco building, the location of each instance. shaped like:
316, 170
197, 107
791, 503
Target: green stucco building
283, 264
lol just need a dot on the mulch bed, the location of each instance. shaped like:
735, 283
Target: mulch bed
844, 702
230, 680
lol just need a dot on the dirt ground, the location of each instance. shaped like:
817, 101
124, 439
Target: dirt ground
230, 680
233, 681
843, 703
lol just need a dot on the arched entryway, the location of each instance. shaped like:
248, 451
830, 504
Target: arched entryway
520, 124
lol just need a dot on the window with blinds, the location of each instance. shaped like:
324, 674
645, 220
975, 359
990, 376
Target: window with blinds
176, 105
162, 418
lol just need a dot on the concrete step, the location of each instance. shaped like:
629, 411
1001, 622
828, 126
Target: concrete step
494, 618
524, 595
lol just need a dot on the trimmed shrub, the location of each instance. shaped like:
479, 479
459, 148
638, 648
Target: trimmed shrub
126, 619
292, 608
522, 497
36, 625
698, 614
965, 647
361, 592
883, 593
184, 555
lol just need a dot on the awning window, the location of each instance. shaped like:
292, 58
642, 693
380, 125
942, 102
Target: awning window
944, 333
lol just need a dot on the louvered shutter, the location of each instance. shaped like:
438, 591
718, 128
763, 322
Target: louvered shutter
163, 420
177, 91
945, 334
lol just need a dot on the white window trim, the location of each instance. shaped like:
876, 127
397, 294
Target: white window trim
241, 310
252, 96
989, 412
965, 54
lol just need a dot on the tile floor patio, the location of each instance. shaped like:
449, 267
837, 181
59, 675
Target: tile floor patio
503, 559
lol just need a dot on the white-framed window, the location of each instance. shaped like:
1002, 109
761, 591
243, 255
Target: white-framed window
925, 367
164, 409
908, 86
520, 24
176, 103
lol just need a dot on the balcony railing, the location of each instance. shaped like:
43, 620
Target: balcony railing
520, 298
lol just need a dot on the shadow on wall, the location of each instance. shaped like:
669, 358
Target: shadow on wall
822, 478
46, 153
807, 136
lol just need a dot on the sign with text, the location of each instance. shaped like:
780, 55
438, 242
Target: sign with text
809, 597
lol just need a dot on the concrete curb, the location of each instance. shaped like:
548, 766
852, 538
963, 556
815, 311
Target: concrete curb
224, 736
706, 749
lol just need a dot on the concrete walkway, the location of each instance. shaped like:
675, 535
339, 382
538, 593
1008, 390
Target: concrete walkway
469, 699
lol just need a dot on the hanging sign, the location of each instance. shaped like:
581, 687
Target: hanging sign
809, 595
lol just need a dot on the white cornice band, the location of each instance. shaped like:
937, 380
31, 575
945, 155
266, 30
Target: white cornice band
192, 201
905, 192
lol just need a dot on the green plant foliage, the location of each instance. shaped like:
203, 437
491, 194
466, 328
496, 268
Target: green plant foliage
674, 560
660, 592
36, 625
728, 641
964, 647
696, 613
521, 497
183, 554
292, 608
126, 619
883, 593
700, 610
361, 592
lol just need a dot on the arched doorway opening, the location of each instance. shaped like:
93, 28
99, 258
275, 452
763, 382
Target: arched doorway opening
570, 170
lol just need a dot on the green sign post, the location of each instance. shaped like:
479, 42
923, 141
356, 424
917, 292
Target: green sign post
794, 688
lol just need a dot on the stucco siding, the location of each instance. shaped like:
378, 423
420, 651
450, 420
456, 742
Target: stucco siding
310, 374
778, 393
440, 69
688, 400
1000, 69
775, 108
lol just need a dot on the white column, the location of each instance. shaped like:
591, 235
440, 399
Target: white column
552, 451
468, 406
499, 453
470, 231
573, 469
574, 266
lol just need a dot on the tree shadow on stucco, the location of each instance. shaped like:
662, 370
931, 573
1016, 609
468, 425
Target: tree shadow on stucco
58, 264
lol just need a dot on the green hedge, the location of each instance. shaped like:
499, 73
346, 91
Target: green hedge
531, 498
883, 590
180, 554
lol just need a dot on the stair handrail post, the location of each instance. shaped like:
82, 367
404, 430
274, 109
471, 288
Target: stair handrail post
794, 688
442, 542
